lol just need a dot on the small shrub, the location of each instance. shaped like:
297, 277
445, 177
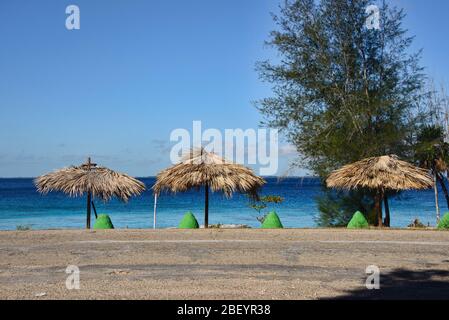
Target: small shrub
262, 203
23, 227
261, 219
417, 224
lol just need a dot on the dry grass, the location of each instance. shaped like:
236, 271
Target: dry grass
102, 182
386, 172
199, 168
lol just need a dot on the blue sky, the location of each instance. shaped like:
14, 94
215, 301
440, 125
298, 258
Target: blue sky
136, 70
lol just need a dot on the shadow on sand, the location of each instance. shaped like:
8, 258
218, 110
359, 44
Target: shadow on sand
403, 284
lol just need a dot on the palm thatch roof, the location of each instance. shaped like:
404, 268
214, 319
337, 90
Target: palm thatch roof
101, 182
386, 172
201, 168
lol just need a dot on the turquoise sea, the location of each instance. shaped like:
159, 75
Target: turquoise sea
22, 205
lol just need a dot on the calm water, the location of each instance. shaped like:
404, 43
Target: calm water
21, 205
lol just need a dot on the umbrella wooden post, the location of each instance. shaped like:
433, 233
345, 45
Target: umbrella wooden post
206, 206
88, 210
378, 207
387, 211
89, 198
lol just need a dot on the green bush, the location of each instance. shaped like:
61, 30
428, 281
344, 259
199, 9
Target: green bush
444, 222
188, 222
338, 207
416, 224
23, 227
272, 221
103, 222
358, 221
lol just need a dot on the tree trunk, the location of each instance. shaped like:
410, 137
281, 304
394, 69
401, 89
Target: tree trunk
437, 207
206, 206
88, 210
378, 207
95, 209
444, 188
387, 211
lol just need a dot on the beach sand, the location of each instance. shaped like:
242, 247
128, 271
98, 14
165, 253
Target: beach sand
224, 264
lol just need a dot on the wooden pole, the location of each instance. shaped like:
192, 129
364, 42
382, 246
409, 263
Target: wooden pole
89, 199
206, 206
154, 211
88, 210
378, 207
387, 211
435, 188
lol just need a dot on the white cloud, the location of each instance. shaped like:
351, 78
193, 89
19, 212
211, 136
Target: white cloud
287, 150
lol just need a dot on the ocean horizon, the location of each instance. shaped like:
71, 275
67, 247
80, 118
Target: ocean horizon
22, 206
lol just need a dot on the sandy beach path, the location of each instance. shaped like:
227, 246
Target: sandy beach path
224, 264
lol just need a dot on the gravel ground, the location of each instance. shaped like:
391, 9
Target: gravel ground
224, 264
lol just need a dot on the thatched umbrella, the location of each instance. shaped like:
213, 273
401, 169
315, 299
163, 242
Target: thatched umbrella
380, 174
97, 182
200, 168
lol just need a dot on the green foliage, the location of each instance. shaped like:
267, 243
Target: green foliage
263, 202
189, 222
337, 207
358, 221
342, 92
431, 151
444, 222
416, 224
23, 227
103, 222
272, 221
